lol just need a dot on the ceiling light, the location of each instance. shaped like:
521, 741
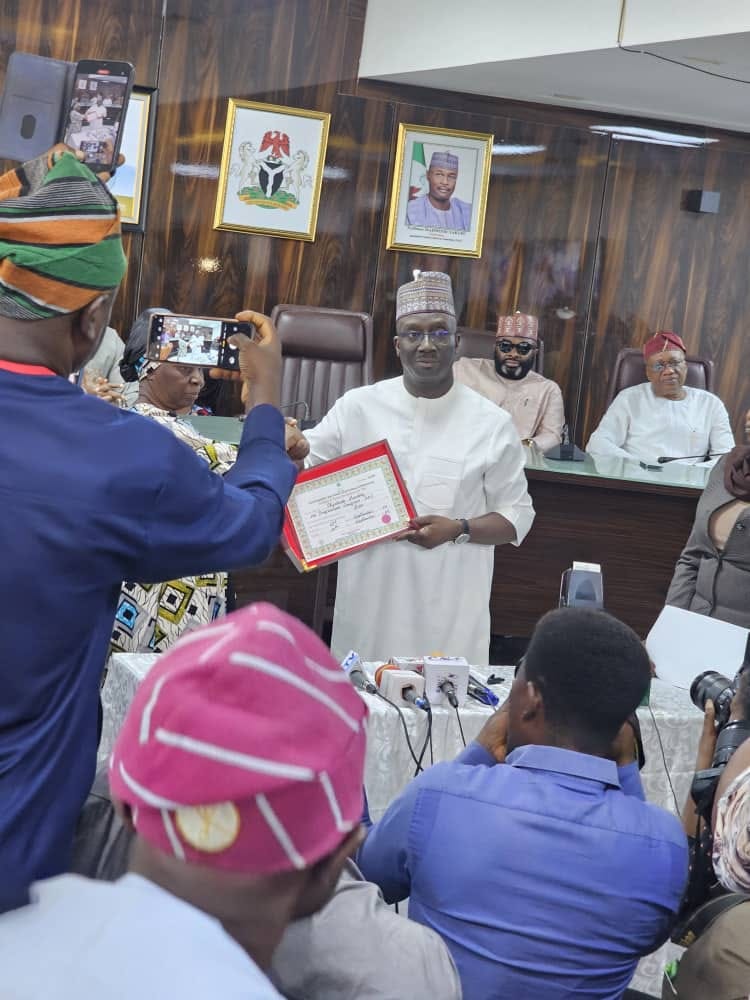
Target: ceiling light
631, 133
507, 149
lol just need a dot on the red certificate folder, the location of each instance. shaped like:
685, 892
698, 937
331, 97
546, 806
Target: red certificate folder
306, 551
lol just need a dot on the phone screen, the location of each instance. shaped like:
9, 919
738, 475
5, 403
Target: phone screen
97, 111
195, 340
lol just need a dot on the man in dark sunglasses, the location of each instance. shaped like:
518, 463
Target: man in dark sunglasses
535, 403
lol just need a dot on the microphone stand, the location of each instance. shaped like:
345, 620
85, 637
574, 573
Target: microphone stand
663, 459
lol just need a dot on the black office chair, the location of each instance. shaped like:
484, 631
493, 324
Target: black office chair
630, 369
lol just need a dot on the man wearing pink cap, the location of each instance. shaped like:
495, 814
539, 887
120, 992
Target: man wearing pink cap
535, 403
663, 416
239, 767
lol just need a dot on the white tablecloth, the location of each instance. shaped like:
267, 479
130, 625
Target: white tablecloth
672, 739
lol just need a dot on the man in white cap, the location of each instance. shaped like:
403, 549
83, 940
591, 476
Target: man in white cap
438, 209
535, 403
462, 462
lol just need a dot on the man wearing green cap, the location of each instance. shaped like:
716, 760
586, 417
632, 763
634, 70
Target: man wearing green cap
74, 525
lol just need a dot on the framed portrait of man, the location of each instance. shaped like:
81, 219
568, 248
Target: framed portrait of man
439, 191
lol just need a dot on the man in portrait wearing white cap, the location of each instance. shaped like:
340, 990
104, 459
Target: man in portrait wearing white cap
462, 462
438, 209
535, 403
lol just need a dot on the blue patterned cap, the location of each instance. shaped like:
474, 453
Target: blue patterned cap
446, 160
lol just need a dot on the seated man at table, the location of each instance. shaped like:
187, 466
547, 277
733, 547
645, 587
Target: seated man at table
663, 416
533, 854
92, 496
535, 403
238, 829
463, 466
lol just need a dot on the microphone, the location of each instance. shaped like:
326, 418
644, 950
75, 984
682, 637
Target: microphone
352, 667
305, 423
409, 694
679, 458
449, 691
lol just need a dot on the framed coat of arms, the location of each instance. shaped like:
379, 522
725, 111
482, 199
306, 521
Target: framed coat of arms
271, 170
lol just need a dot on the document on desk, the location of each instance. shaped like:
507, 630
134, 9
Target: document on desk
345, 505
683, 644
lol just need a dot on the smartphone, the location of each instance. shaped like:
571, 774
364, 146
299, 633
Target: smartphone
96, 111
195, 340
33, 103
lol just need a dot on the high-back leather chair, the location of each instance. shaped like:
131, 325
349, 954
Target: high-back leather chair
481, 344
630, 369
325, 352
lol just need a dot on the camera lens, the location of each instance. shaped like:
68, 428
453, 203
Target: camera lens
719, 689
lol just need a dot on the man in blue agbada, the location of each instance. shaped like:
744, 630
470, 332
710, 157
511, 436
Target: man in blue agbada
92, 496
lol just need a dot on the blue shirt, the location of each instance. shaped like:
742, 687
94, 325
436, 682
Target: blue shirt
547, 877
90, 496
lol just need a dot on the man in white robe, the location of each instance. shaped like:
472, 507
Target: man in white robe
663, 416
462, 462
535, 403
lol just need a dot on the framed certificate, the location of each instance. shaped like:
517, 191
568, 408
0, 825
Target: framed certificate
345, 505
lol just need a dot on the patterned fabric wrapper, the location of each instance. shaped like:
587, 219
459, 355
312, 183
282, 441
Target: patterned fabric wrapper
244, 747
518, 325
731, 853
664, 340
446, 160
60, 244
430, 292
146, 367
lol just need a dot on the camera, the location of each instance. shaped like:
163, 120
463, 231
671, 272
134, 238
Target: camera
713, 686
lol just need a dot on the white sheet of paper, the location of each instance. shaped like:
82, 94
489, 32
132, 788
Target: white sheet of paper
683, 644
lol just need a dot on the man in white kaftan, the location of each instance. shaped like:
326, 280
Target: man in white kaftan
462, 462
663, 417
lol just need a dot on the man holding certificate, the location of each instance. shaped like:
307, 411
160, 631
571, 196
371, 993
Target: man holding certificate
462, 463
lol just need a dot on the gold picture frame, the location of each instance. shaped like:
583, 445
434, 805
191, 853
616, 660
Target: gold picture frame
131, 181
271, 170
436, 167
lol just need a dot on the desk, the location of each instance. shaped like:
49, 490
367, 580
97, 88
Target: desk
671, 723
633, 522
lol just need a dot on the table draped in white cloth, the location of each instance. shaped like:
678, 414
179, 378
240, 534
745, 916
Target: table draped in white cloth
670, 726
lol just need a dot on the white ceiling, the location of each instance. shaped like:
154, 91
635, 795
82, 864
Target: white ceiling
619, 81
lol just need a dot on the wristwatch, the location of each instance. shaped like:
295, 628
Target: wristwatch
464, 535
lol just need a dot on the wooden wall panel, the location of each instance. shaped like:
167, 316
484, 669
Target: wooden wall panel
202, 270
587, 225
539, 239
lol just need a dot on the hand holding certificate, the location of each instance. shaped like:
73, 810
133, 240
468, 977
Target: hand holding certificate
345, 505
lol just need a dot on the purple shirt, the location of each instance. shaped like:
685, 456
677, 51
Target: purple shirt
421, 212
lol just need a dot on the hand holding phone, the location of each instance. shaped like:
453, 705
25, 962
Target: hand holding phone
259, 361
96, 112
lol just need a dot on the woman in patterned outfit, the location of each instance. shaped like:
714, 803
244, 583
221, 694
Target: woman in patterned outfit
151, 616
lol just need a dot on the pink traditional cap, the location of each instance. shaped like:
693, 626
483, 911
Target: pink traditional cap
244, 747
664, 340
518, 325
431, 291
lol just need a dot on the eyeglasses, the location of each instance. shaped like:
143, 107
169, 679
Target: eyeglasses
441, 338
505, 347
661, 366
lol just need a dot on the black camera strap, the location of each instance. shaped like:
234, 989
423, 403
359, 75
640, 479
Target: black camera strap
689, 930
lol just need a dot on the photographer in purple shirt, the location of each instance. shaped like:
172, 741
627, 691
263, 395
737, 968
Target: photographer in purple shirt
534, 854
